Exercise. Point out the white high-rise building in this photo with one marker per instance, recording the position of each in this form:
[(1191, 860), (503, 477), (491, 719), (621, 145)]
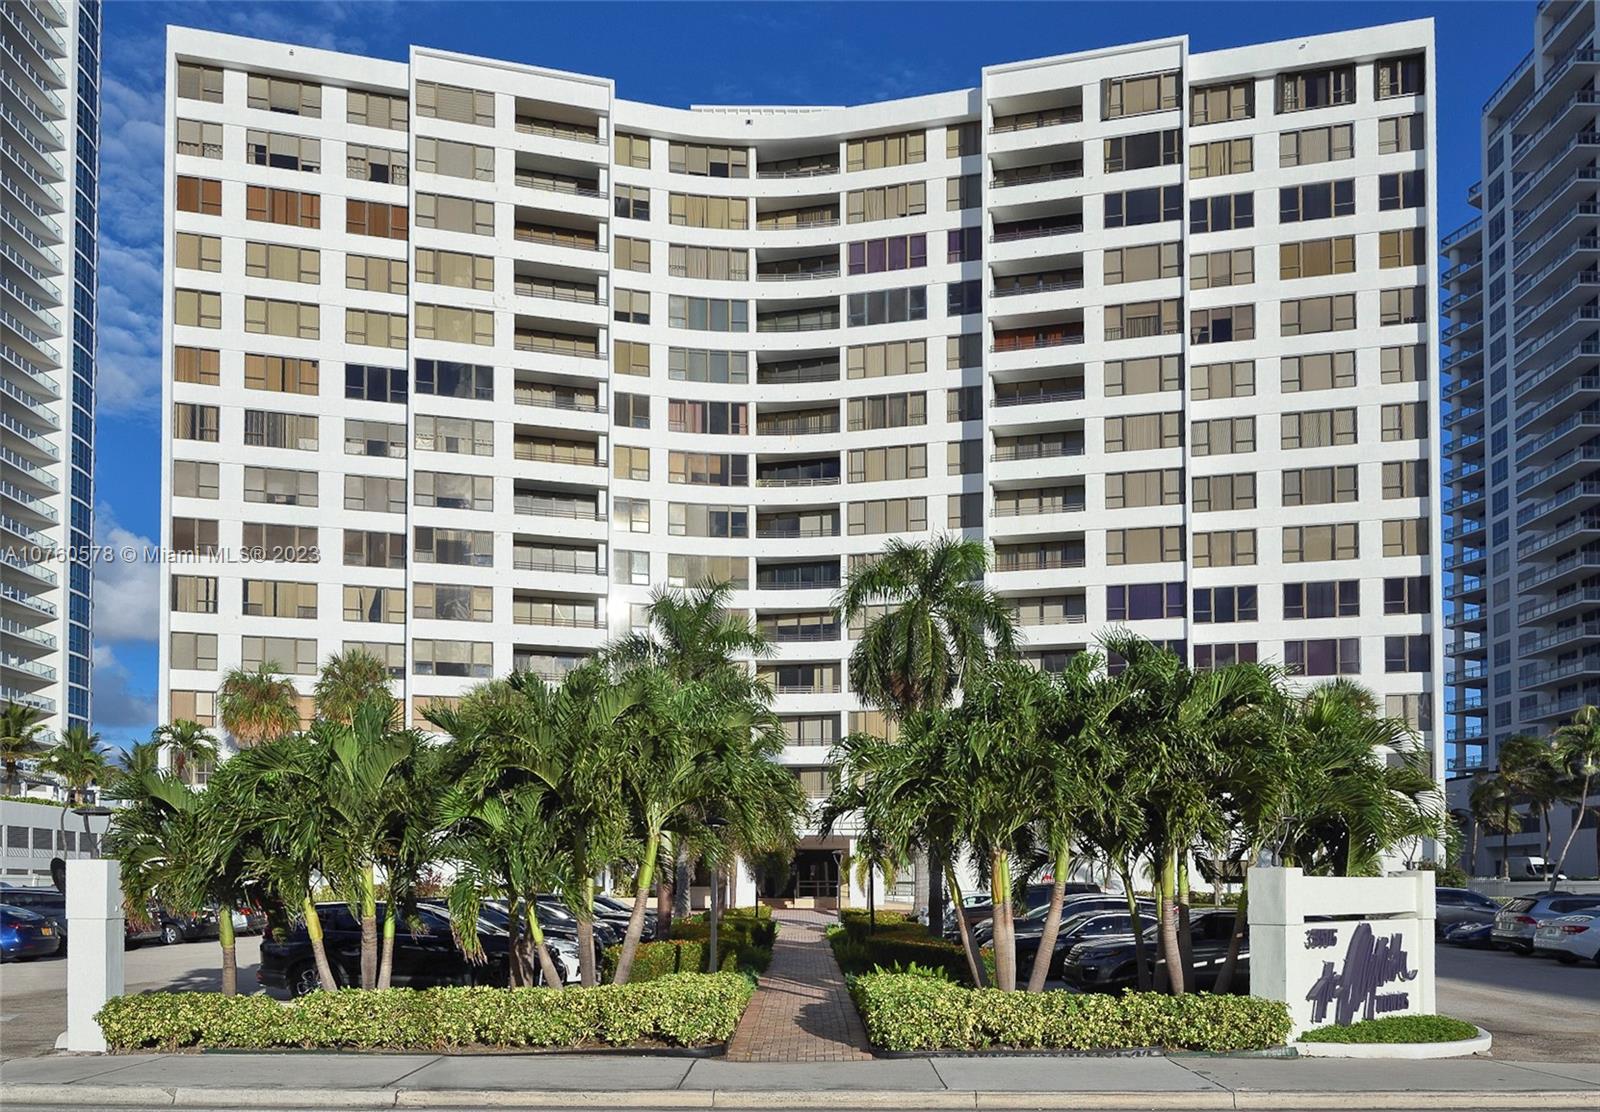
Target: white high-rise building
[(476, 354), (49, 174)]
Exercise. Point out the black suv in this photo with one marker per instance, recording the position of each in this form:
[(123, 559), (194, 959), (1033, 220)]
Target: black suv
[(422, 959), (1109, 965)]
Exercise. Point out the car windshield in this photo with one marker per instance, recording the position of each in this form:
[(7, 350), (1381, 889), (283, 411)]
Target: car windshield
[(13, 912)]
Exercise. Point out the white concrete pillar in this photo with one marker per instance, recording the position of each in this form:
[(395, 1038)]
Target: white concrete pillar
[(744, 884), (94, 958)]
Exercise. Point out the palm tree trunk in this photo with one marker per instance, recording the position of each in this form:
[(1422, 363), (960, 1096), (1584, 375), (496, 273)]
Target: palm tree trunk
[(386, 956), (1505, 842), (1544, 824), (664, 905), (1142, 967), (369, 929), (1171, 952), (1052, 921), (547, 964), (920, 864), (682, 879), (713, 919), (1577, 822), (963, 928), (1005, 949), (230, 958), (630, 941), (1185, 935), (319, 949), (936, 857), (1241, 921)]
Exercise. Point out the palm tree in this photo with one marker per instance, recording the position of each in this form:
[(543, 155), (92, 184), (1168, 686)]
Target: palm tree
[(22, 736), (928, 621), (258, 705), (1532, 762), (78, 759), (1494, 804), (348, 680), (190, 745), (140, 758), (1578, 753)]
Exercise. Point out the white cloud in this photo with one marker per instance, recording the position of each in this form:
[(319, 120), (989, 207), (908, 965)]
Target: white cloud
[(127, 592), (118, 709)]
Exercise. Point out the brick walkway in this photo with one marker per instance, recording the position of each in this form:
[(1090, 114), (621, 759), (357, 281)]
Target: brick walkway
[(800, 1011)]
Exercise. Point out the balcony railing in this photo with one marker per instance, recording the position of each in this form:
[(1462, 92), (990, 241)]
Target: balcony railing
[(1054, 286), (791, 376), (1044, 397), (1039, 563), (1023, 452), (1036, 175), (1037, 231), (798, 426), (544, 507), (1032, 121), (785, 481), (557, 129), (795, 532)]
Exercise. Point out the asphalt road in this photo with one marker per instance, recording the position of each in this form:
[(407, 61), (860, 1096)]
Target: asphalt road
[(1537, 1009)]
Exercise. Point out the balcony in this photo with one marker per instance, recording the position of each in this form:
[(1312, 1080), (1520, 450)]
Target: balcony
[(1581, 493), (808, 269), (816, 318), (1013, 231), (1567, 635), (1032, 339), (1011, 450), (565, 130), (1041, 558), (1037, 174), (804, 166), (551, 235), (1470, 228), (798, 424), (1042, 391), (571, 453), (551, 182), (570, 509), (1034, 120), (1019, 285), (785, 633), (557, 343), (797, 371), (1578, 598), (556, 289)]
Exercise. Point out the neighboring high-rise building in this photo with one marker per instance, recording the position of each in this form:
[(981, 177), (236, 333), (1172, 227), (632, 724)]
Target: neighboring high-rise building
[(50, 169), (1522, 387), (468, 356)]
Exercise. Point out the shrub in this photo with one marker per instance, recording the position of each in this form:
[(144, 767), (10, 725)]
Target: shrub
[(744, 943), (903, 1012), (1395, 1029), (680, 1010), (899, 941)]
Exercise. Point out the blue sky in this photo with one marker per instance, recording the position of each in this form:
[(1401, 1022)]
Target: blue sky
[(673, 54)]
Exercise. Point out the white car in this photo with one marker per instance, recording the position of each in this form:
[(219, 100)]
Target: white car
[(1569, 938)]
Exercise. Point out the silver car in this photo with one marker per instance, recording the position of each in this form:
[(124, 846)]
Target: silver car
[(1515, 925)]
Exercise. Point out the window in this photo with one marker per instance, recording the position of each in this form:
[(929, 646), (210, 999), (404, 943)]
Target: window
[(376, 110), (374, 218), (286, 264), (964, 403), (1312, 543), (1222, 325), (446, 322), (875, 256), (887, 411), (1136, 603), (280, 94), (1143, 151), (1328, 598), (1155, 545), (375, 274), (698, 520), (455, 160), (283, 206), (1143, 206), (194, 652), (1311, 315), (374, 438), (875, 152), (693, 571), (887, 202), (1144, 263), (1135, 96), (708, 161), (454, 491), (292, 544), (455, 268), (194, 479), (1416, 711), (1399, 77), (694, 211), (887, 306), (275, 598), (1208, 658), (961, 140), (374, 384), (1404, 364), (709, 418), (194, 594), (888, 515), (1320, 486), (375, 164), (708, 314), (1217, 493), (279, 151), (458, 435), (1397, 134), (375, 604), (1406, 537), (202, 195), (1402, 247), (1210, 381), (1143, 432), (1223, 156), (720, 264), (704, 365), (1216, 269), (1326, 371), (893, 464), (1219, 605), (1411, 653), (1403, 306), (450, 602), (1215, 104), (1319, 88), (374, 494), (1404, 190), (630, 306), (1405, 421), (630, 357), (473, 659), (1411, 594), (708, 469), (1318, 428), (198, 365), (631, 254), (965, 511), (1323, 657), (455, 214), (1141, 319), (197, 82), (964, 457), (1312, 145), (631, 411), (1142, 376), (964, 192), (454, 103), (366, 326), (1317, 258), (287, 376), (472, 547), (199, 139), (197, 252), (1222, 436), (964, 245), (631, 202), (1227, 548), (1316, 201), (374, 550), (266, 429), (1131, 489), (194, 422), (197, 308), (196, 535), (631, 150)]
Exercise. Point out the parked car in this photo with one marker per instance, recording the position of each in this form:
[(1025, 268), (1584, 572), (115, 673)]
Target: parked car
[(1084, 925), (1032, 921), (1461, 905), (422, 959), (1035, 895), (1470, 934), (1532, 868), (249, 920), (562, 944), (555, 912), (615, 911), (1110, 965), (1569, 938), (1515, 924), (43, 901), (27, 934)]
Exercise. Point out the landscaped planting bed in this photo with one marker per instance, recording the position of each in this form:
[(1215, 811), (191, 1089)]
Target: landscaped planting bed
[(898, 942), (912, 1013), (1396, 1029), (744, 944), (688, 1009)]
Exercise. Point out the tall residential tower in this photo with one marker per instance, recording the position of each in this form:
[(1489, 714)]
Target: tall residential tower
[(464, 357)]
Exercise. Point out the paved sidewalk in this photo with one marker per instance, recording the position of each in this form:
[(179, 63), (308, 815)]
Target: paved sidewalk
[(368, 1081), (800, 1011)]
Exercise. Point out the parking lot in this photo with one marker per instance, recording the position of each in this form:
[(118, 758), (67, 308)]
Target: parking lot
[(1537, 1009)]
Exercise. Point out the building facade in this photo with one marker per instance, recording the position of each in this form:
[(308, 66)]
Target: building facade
[(1522, 398), (466, 357), (49, 168)]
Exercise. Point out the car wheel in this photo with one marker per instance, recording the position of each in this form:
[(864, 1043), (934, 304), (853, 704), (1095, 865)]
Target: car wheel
[(1567, 959), (303, 979), (171, 935)]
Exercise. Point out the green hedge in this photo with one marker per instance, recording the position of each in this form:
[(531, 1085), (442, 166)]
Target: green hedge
[(744, 927), (899, 942), (662, 959), (1395, 1029), (685, 1010), (922, 1013)]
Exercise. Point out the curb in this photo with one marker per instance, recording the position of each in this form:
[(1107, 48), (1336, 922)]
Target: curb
[(1460, 1048), (899, 1100)]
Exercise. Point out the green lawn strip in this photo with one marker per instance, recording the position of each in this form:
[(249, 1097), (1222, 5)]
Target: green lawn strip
[(1396, 1029)]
